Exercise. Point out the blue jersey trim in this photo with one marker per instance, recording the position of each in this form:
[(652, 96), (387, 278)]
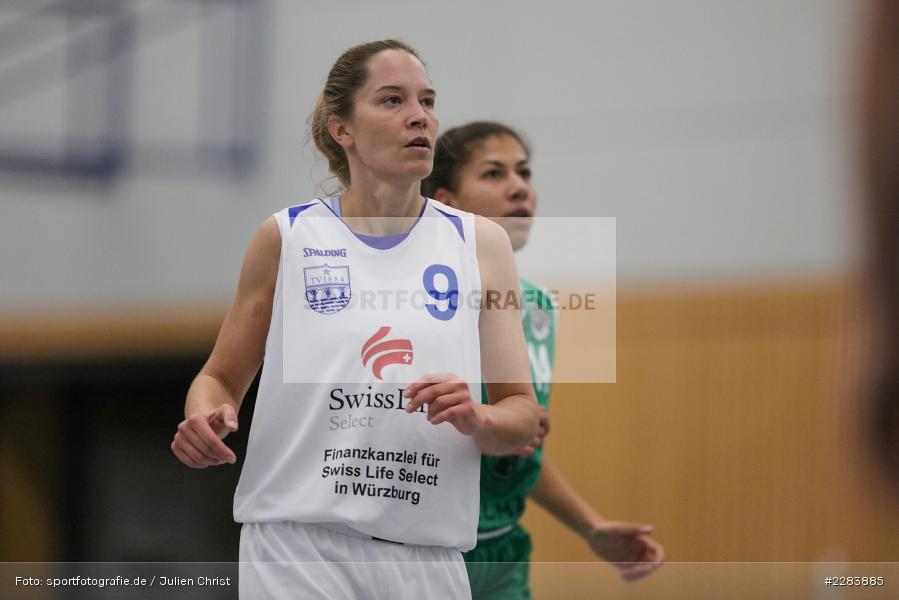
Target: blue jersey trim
[(293, 211), (455, 220), (378, 242), (381, 242)]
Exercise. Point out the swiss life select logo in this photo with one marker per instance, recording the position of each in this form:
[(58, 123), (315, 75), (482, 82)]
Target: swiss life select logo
[(383, 352)]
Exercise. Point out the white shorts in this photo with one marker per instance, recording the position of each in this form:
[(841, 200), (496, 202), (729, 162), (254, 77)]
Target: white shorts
[(331, 561)]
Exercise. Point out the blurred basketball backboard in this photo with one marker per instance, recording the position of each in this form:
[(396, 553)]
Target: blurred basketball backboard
[(92, 87)]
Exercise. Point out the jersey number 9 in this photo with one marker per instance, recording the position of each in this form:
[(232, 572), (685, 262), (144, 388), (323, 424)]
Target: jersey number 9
[(448, 297)]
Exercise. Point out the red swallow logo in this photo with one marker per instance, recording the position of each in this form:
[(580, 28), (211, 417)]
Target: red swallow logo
[(388, 352)]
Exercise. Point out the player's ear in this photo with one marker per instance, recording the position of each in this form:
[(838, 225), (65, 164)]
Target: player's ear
[(445, 196), (340, 131)]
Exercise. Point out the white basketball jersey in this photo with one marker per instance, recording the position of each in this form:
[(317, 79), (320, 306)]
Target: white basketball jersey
[(352, 326)]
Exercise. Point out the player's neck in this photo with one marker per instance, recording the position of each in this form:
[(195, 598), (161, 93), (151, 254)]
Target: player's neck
[(381, 209)]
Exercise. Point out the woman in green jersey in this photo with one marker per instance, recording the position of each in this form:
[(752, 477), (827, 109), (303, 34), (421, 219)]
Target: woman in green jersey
[(484, 168)]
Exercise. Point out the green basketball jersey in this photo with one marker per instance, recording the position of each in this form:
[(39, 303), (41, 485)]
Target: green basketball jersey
[(507, 480)]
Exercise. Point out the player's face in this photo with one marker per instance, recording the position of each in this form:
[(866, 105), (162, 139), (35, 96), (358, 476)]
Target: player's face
[(394, 124), (496, 183)]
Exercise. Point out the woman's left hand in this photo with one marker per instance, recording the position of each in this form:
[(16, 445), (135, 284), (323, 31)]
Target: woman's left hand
[(627, 546), (449, 399)]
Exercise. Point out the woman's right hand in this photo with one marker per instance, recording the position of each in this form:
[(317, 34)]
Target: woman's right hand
[(198, 441)]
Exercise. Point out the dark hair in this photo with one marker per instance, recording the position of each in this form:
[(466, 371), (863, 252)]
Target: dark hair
[(454, 148), (348, 74)]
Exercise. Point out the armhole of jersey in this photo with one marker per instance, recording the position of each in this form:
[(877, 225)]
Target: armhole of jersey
[(467, 220), (471, 244), (282, 219), (468, 225), (277, 319)]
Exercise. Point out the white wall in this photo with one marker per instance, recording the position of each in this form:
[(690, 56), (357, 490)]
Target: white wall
[(714, 130)]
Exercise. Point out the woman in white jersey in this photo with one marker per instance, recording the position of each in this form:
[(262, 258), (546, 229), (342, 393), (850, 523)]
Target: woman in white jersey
[(366, 439)]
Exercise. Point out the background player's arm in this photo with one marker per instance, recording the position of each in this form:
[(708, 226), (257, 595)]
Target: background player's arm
[(626, 545), (217, 392), (513, 413)]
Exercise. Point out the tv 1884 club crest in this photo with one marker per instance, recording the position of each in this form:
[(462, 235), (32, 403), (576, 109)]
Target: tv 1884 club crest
[(327, 288)]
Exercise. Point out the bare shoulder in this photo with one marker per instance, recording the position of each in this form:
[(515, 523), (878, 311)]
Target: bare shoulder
[(260, 268), (268, 236), (495, 257), (492, 239)]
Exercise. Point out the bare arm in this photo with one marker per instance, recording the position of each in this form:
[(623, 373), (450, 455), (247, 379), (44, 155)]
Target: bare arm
[(513, 413), (558, 497), (215, 396), (626, 545)]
